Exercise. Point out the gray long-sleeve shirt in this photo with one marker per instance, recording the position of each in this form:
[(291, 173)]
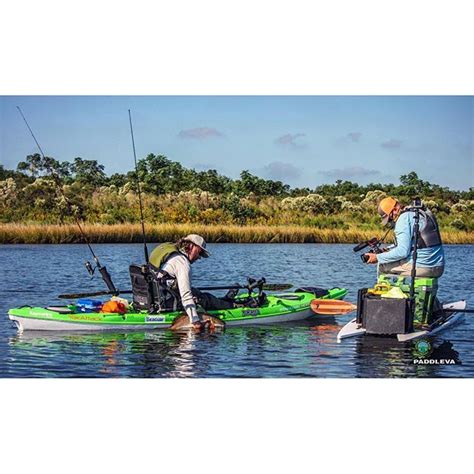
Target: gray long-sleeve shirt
[(179, 267)]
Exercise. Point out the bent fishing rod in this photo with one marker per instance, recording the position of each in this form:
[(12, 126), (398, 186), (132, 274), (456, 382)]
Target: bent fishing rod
[(102, 270)]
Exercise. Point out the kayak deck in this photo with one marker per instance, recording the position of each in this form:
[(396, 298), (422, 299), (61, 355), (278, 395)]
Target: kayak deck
[(284, 307)]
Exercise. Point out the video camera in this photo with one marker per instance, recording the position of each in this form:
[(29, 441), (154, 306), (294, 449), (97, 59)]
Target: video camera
[(374, 244)]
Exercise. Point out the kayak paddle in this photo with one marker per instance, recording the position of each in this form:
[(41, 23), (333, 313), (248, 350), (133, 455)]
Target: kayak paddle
[(73, 296), (332, 307), (344, 307), (266, 287)]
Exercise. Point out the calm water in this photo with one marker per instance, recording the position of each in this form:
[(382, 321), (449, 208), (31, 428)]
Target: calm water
[(35, 274)]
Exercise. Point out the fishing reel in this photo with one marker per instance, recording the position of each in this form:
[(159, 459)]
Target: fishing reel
[(374, 244), (90, 268), (103, 273)]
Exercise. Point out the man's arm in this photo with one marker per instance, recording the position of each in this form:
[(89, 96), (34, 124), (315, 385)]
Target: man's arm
[(403, 234), (182, 271)]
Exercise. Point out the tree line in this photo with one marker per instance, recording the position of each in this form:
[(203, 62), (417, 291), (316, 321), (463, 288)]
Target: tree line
[(174, 193)]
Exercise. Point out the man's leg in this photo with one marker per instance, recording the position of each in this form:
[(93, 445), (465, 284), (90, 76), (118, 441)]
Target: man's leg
[(210, 302), (392, 268), (422, 272)]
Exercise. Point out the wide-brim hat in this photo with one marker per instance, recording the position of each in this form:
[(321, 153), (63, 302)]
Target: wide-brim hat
[(200, 242)]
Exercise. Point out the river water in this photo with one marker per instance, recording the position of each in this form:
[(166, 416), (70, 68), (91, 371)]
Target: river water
[(36, 274)]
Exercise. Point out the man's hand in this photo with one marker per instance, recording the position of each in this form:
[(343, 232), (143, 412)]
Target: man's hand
[(198, 326), (371, 257)]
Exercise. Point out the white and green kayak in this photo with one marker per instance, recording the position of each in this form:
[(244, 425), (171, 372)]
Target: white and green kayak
[(278, 308), (453, 314)]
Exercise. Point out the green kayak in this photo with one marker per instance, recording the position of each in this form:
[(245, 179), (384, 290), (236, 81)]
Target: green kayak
[(282, 307)]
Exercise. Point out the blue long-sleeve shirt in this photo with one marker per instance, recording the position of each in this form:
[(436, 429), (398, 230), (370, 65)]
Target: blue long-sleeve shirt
[(428, 257)]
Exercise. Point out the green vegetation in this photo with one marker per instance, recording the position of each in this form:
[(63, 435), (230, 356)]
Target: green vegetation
[(175, 195)]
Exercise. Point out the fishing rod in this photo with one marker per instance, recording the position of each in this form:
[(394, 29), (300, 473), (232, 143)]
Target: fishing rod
[(145, 248), (90, 269)]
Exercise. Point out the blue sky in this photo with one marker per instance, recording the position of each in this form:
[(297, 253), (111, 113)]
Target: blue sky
[(301, 140)]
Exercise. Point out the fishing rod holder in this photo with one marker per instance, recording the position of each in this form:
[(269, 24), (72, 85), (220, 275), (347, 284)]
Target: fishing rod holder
[(255, 284)]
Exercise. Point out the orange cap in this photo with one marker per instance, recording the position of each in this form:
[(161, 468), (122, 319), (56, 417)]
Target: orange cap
[(386, 206)]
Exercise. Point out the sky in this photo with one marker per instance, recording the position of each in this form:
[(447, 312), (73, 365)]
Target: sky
[(304, 141)]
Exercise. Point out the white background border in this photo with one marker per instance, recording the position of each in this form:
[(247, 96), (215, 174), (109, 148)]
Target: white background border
[(218, 47)]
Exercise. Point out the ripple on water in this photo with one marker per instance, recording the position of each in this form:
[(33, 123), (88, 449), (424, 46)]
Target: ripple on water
[(307, 349)]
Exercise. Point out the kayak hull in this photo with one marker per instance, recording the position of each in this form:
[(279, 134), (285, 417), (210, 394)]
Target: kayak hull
[(34, 324), (282, 308)]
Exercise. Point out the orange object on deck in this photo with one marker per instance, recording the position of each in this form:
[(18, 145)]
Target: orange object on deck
[(113, 307)]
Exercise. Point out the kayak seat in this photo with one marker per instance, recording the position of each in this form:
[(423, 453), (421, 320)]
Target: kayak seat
[(317, 292)]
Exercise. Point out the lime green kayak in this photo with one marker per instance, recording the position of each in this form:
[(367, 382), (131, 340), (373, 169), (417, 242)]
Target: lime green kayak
[(282, 307)]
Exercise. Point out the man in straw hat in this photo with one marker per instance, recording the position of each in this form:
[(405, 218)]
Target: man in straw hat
[(174, 263), (398, 260)]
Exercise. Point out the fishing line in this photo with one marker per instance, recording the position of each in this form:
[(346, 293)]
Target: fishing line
[(139, 190), (102, 270)]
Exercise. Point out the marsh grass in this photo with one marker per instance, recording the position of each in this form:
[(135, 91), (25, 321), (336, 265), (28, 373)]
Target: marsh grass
[(128, 233)]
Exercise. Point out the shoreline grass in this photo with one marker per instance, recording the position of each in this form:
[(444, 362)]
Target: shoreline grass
[(131, 233)]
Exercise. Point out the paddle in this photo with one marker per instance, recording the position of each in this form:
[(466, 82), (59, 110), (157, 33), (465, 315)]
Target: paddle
[(332, 306), (344, 307), (266, 287)]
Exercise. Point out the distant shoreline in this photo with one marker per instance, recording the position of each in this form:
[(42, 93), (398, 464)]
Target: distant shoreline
[(131, 233)]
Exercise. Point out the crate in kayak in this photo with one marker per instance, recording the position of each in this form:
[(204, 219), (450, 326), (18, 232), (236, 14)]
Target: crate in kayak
[(283, 307)]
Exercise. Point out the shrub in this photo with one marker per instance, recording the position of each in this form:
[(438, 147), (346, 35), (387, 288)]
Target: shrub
[(459, 207), (458, 224), (372, 198)]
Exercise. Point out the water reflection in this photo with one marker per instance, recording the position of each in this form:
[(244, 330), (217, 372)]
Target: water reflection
[(390, 358), (306, 349)]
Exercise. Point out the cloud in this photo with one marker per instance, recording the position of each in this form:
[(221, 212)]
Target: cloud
[(277, 170), (348, 139), (200, 133), (354, 136), (391, 144), (290, 140), (350, 173)]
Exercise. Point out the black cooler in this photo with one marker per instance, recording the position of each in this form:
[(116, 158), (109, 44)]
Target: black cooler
[(383, 316)]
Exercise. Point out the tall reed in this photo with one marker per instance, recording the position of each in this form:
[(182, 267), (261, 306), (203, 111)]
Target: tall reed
[(125, 233)]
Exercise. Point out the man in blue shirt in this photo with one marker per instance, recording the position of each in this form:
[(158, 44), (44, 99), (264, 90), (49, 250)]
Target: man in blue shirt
[(398, 260)]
